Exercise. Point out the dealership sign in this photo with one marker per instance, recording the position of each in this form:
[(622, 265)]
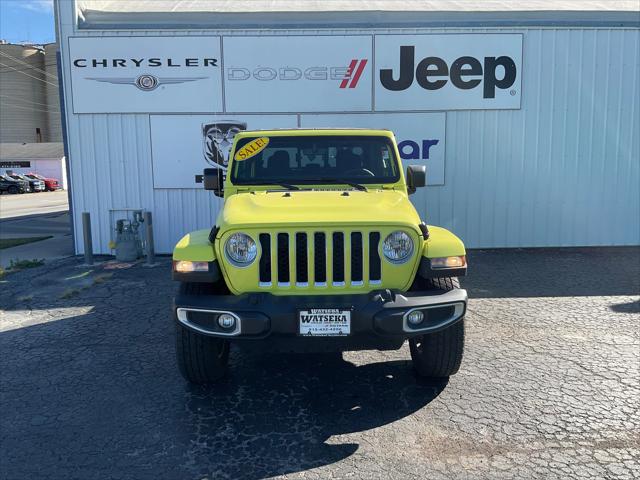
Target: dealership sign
[(448, 72), (145, 74), (297, 73), (222, 86)]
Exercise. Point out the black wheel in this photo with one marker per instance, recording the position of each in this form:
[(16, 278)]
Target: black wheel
[(201, 359), (12, 189), (439, 354)]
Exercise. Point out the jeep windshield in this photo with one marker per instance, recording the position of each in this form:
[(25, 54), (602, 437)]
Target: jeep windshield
[(316, 160)]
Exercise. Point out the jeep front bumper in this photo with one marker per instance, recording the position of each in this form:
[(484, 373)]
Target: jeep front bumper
[(377, 315)]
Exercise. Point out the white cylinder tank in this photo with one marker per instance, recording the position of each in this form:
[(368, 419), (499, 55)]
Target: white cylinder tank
[(23, 106)]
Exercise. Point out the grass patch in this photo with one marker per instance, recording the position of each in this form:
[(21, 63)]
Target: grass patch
[(14, 242), (22, 264)]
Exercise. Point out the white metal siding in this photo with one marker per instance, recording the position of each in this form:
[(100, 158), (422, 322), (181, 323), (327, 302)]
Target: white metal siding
[(562, 171)]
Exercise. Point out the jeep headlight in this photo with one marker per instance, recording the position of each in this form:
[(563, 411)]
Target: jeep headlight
[(241, 250), (397, 247)]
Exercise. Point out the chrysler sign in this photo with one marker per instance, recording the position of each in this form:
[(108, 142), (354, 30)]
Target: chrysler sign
[(145, 74)]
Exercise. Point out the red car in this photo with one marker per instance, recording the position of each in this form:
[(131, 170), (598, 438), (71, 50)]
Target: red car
[(50, 184)]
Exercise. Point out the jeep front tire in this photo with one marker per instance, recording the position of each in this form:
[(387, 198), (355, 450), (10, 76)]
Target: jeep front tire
[(438, 355), (201, 359)]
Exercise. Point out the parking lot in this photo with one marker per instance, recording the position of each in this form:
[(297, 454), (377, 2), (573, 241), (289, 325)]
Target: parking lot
[(549, 387), (35, 215), (12, 206)]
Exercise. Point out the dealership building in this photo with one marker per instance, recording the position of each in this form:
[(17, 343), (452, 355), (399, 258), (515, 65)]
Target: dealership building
[(526, 114)]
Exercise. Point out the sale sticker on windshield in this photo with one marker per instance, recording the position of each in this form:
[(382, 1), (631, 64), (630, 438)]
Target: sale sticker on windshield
[(252, 148)]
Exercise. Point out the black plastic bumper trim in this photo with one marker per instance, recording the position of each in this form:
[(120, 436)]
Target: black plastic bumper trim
[(378, 314)]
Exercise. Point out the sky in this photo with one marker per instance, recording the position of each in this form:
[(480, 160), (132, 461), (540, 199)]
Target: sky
[(29, 21)]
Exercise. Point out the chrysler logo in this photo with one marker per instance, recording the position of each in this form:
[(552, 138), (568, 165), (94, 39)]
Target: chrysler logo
[(145, 82)]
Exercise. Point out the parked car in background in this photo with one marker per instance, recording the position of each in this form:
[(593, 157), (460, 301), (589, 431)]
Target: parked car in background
[(37, 185), (11, 185), (50, 184)]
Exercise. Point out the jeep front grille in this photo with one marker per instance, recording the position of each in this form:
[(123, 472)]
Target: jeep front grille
[(301, 259)]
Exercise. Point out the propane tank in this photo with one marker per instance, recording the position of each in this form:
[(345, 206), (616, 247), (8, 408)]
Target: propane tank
[(127, 241)]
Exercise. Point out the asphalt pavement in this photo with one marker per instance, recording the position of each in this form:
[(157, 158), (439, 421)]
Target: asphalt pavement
[(36, 215), (549, 387)]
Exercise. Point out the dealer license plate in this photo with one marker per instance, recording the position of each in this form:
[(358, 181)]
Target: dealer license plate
[(325, 322)]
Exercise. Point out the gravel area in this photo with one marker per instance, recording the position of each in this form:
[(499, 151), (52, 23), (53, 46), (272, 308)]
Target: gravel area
[(549, 387)]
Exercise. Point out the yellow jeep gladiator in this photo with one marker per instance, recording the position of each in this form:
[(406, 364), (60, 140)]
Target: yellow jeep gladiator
[(317, 247)]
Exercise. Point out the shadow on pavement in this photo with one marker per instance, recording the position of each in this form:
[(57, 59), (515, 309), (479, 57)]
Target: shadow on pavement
[(98, 395), (52, 223), (287, 407), (629, 307)]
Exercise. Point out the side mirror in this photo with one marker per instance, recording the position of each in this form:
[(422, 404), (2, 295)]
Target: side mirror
[(416, 177), (213, 180)]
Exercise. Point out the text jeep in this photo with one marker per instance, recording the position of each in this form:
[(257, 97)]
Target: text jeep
[(317, 247)]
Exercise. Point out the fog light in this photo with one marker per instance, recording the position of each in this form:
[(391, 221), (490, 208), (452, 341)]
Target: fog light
[(226, 320), (415, 317)]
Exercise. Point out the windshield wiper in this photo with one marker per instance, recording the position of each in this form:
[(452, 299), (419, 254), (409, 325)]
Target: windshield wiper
[(355, 185), (288, 186)]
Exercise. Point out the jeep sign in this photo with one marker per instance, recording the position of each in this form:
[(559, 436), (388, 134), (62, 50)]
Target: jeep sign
[(448, 72)]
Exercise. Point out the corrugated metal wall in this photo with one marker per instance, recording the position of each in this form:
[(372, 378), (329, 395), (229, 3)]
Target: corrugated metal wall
[(563, 170)]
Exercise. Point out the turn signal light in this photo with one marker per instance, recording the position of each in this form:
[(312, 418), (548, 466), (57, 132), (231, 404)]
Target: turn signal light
[(185, 266), (448, 262)]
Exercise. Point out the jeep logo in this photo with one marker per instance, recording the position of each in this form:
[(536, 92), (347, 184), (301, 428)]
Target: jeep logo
[(433, 73)]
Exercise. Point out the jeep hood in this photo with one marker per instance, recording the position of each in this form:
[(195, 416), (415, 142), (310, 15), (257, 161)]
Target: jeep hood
[(309, 207)]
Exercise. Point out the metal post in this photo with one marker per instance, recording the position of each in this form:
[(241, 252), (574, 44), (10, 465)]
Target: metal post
[(148, 222), (88, 242)]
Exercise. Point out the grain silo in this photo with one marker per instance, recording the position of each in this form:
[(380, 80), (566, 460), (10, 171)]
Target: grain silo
[(54, 132), (23, 107)]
